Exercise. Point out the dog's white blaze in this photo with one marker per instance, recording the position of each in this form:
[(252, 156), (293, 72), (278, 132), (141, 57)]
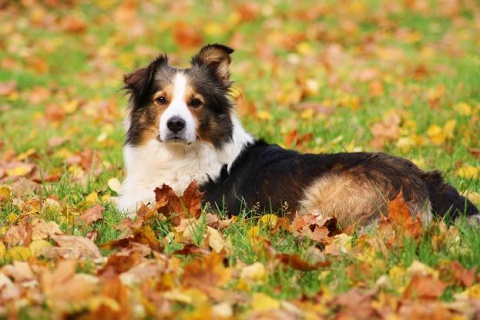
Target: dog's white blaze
[(178, 108)]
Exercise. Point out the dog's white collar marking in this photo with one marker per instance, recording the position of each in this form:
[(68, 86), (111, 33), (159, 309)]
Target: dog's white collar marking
[(153, 164)]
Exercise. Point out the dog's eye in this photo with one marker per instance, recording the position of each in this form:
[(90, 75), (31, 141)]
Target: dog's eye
[(161, 100), (195, 103)]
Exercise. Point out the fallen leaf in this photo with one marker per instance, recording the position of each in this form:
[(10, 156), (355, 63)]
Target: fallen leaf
[(263, 302), (115, 185), (424, 287), (298, 263), (216, 241), (43, 230), (93, 214), (74, 247)]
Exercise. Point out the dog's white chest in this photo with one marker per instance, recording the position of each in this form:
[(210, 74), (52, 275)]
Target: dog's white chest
[(152, 165)]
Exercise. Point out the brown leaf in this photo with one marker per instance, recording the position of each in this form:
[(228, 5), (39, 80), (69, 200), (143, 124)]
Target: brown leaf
[(93, 214), (119, 263), (424, 287), (457, 274), (355, 304), (143, 235), (74, 247), (192, 200), (298, 263), (191, 249), (18, 235), (189, 205), (42, 229)]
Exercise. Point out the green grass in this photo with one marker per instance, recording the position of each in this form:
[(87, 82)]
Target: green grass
[(278, 46)]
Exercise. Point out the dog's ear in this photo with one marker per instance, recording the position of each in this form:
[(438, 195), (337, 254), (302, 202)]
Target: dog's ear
[(139, 81), (216, 57)]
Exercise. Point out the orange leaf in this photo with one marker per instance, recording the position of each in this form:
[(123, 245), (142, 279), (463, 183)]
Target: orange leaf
[(399, 215), (208, 271), (192, 200), (424, 287)]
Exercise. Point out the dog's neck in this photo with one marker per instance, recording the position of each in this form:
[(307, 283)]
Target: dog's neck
[(177, 165)]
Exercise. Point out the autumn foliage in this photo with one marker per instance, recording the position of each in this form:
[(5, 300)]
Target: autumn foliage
[(398, 76)]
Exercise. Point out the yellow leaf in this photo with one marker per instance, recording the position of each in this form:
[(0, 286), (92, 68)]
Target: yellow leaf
[(268, 220), (2, 250), (213, 29), (463, 108), (307, 114), (449, 128), (304, 48), (398, 276), (18, 253), (92, 198), (25, 155), (37, 247), (11, 217), (215, 240), (468, 172), (264, 115), (436, 135), (5, 191), (254, 272), (470, 293), (19, 171), (253, 233), (71, 106), (63, 153), (262, 302)]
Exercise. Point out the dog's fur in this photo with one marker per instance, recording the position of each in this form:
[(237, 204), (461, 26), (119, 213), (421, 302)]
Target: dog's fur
[(181, 126)]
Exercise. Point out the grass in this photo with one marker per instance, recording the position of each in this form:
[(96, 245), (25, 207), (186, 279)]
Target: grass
[(364, 61)]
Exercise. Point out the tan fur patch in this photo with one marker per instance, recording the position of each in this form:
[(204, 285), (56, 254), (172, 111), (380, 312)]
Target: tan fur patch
[(352, 200)]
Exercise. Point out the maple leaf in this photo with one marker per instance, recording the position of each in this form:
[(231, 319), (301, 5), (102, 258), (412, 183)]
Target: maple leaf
[(399, 215), (189, 205), (93, 214), (424, 287)]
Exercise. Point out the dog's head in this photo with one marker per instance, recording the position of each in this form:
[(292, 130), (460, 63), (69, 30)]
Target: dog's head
[(181, 106)]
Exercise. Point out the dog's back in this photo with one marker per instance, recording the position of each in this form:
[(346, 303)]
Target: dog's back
[(354, 187)]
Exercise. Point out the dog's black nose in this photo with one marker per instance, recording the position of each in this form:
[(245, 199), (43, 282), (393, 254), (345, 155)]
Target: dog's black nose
[(175, 124)]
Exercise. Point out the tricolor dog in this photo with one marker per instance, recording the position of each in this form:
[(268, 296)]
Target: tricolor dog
[(181, 126)]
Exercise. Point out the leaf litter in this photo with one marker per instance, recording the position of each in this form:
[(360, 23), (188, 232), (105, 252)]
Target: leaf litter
[(64, 256)]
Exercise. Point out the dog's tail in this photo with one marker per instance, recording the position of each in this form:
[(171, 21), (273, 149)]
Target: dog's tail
[(447, 202)]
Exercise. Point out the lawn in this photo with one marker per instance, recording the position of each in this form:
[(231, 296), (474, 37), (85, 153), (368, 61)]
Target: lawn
[(357, 75)]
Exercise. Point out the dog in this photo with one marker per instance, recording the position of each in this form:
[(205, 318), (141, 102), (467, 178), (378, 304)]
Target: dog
[(181, 126)]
